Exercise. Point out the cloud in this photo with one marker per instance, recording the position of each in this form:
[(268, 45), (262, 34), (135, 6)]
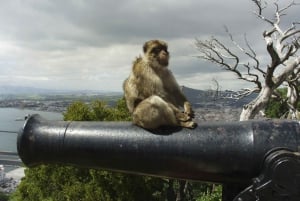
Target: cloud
[(79, 44)]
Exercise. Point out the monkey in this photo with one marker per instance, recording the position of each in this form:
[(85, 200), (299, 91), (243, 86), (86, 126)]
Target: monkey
[(152, 95)]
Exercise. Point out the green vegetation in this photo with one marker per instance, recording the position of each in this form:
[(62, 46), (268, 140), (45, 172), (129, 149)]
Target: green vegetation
[(66, 183), (277, 108), (214, 195), (3, 197), (97, 111)]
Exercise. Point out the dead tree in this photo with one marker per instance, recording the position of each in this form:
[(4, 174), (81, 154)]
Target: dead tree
[(293, 96), (282, 47)]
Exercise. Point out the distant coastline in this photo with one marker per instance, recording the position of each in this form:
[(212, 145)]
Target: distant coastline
[(37, 105), (209, 105), (52, 102)]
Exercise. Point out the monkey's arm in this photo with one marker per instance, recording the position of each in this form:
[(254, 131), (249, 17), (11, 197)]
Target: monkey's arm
[(188, 109), (175, 92), (131, 95), (132, 100), (182, 101)]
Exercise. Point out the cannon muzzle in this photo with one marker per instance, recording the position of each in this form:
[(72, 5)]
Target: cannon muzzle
[(216, 152)]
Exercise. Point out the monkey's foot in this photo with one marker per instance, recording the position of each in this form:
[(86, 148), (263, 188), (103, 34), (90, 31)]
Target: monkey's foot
[(183, 117), (188, 124), (191, 114)]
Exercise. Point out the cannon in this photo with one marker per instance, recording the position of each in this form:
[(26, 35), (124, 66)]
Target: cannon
[(254, 160)]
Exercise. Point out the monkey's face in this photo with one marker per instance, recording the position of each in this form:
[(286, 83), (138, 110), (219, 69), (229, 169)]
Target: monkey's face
[(157, 51)]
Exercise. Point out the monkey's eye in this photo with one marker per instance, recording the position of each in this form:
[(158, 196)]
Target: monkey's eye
[(157, 50)]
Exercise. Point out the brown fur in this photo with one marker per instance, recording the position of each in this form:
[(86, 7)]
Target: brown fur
[(152, 94)]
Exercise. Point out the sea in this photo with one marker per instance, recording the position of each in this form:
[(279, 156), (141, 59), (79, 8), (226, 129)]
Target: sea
[(12, 120)]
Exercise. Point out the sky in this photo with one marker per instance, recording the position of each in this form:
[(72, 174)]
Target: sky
[(91, 44)]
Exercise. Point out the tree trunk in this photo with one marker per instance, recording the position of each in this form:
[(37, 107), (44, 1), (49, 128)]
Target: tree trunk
[(293, 99), (252, 109)]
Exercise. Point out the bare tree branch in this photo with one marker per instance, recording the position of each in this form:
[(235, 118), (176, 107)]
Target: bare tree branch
[(270, 47), (236, 95), (283, 48), (288, 35), (278, 13), (254, 57), (256, 77), (292, 3), (260, 6), (293, 27), (260, 9), (216, 52)]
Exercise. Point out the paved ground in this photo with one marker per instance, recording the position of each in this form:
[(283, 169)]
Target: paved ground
[(11, 180), (16, 174)]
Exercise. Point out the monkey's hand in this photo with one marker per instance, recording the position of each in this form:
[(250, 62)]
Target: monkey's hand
[(188, 109)]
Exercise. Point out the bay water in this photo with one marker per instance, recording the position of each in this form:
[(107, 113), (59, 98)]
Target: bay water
[(13, 119)]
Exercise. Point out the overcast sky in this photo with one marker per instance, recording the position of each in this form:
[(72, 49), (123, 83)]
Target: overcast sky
[(90, 44)]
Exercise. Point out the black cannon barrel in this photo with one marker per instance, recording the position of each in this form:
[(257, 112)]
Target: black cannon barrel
[(217, 152)]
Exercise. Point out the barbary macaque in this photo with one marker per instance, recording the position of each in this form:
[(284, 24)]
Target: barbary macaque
[(152, 94)]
